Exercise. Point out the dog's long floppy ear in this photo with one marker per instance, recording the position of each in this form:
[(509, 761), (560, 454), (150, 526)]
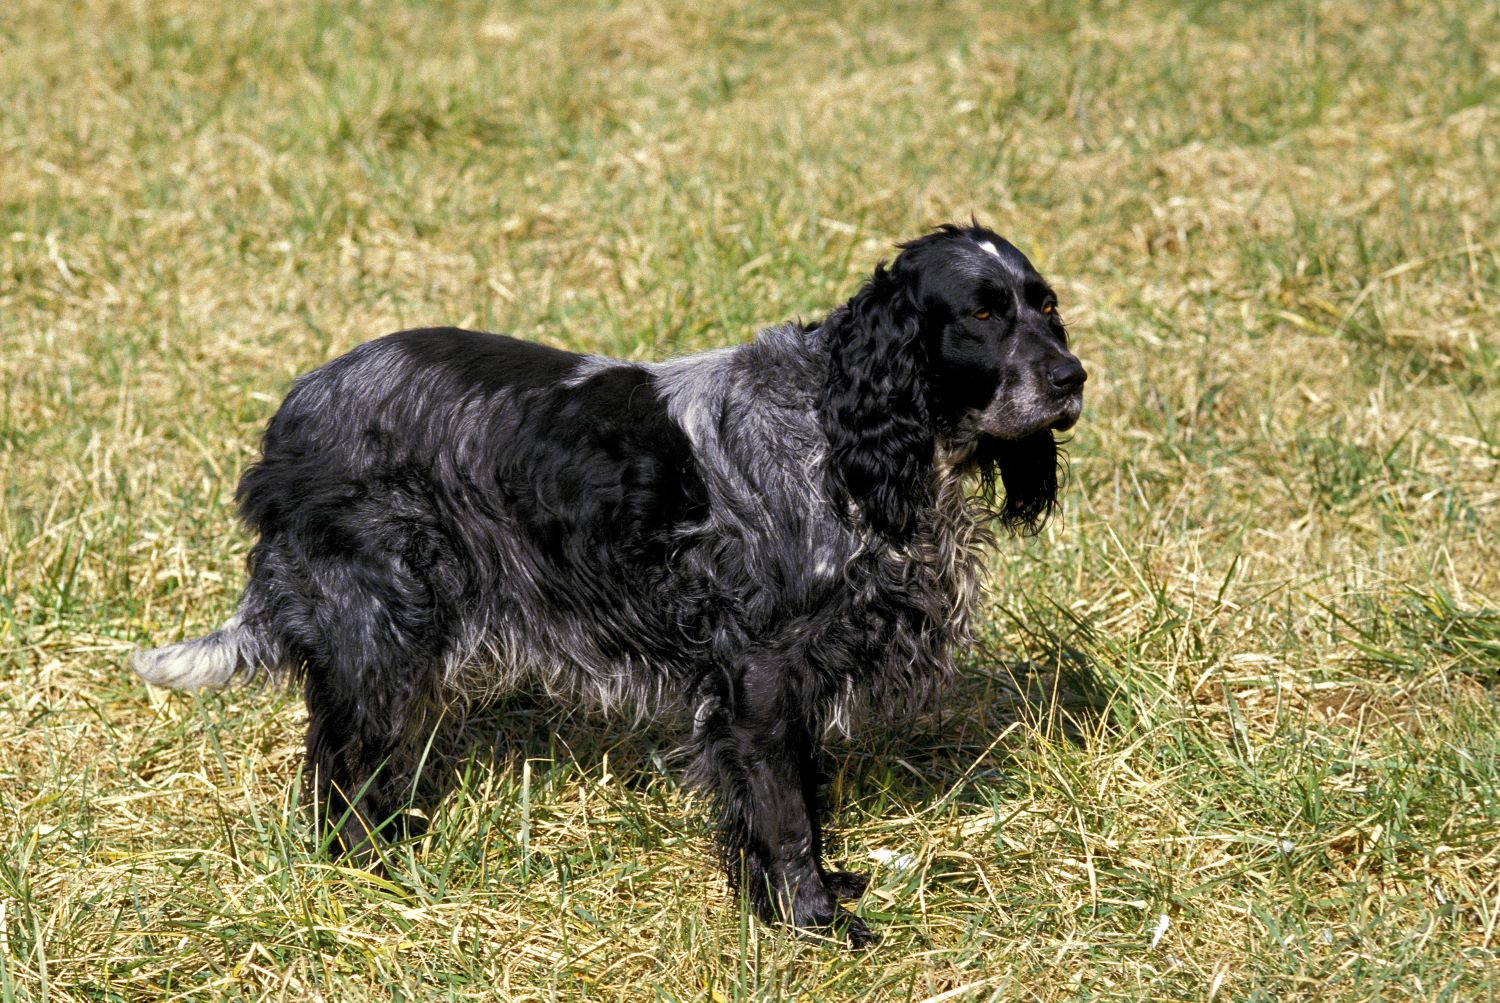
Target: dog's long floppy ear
[(1031, 471), (873, 407)]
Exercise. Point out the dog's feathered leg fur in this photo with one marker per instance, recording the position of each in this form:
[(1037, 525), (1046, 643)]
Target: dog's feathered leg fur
[(757, 752)]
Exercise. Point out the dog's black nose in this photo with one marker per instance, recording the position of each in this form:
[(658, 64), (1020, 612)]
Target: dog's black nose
[(1067, 375)]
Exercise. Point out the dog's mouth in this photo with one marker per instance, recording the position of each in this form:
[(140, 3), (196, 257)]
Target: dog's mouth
[(1006, 419), (1068, 416), (1068, 411)]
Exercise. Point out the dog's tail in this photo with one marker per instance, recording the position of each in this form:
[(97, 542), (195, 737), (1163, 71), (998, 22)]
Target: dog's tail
[(209, 662)]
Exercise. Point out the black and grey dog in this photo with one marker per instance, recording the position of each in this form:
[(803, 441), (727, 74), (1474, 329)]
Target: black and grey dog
[(763, 538)]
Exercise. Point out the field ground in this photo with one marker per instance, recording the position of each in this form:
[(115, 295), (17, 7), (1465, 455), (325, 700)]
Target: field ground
[(1232, 731)]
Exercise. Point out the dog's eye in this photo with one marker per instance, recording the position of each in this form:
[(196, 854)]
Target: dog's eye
[(1049, 308), (982, 315)]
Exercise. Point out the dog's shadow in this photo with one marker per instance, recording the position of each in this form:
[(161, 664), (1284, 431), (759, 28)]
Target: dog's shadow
[(911, 755), (972, 729)]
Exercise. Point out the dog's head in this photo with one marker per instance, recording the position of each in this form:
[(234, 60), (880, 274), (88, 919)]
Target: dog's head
[(956, 347)]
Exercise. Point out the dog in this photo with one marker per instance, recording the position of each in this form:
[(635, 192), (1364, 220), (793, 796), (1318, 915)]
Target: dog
[(763, 538)]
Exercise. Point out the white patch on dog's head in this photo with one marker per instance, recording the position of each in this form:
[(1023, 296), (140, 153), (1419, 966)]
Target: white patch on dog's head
[(1006, 262)]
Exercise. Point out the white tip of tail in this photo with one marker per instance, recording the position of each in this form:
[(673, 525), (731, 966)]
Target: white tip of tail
[(203, 663)]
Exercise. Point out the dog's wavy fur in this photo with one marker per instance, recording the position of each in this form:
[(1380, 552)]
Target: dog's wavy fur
[(761, 537)]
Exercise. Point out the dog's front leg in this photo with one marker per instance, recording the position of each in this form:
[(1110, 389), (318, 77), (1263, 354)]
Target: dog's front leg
[(759, 754)]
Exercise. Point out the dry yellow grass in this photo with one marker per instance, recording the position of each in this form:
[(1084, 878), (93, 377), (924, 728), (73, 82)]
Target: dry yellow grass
[(1232, 733)]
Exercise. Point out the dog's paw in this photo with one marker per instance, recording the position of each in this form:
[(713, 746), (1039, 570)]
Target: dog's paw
[(846, 884), (823, 918), (857, 934)]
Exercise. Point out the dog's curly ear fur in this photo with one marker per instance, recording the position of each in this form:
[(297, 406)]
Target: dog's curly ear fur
[(1031, 472), (873, 407)]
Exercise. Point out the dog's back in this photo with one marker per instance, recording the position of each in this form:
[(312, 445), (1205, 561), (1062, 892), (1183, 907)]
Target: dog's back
[(482, 506)]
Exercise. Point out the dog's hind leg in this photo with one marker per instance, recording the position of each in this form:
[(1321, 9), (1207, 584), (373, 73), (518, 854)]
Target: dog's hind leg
[(368, 723), (356, 760), (757, 752), (367, 639)]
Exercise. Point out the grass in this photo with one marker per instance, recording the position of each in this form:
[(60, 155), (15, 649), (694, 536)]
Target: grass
[(1232, 731)]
